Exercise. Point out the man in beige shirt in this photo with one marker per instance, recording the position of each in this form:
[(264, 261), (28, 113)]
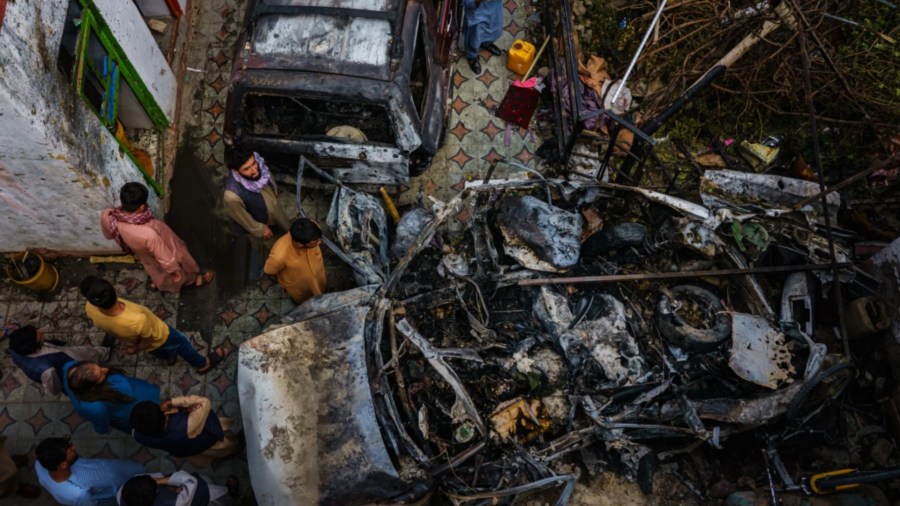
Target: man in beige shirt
[(251, 199), (296, 260)]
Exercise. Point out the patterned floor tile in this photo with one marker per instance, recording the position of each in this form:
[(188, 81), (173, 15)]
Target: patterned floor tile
[(132, 284), (514, 29), (6, 420), (157, 375), (263, 313), (64, 316), (23, 313), (185, 381), (221, 387), (227, 315), (75, 425), (72, 293), (487, 77), (35, 393), (12, 385), (461, 158), (4, 310), (166, 310), (47, 420), (6, 289)]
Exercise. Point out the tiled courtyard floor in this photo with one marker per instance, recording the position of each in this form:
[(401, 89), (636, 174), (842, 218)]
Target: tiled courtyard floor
[(474, 138), (28, 415)]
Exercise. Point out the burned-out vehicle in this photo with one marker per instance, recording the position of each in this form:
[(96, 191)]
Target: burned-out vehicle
[(536, 344), (359, 86)]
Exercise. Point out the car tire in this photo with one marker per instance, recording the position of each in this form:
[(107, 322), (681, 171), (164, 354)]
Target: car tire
[(679, 331)]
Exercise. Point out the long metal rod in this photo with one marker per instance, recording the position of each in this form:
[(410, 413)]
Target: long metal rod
[(850, 180), (679, 275), (817, 165), (640, 49)]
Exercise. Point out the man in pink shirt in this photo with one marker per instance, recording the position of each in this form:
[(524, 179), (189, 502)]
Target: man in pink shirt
[(163, 254)]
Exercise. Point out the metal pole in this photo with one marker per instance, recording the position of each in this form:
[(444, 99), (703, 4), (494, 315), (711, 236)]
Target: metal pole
[(640, 49), (678, 275), (850, 180)]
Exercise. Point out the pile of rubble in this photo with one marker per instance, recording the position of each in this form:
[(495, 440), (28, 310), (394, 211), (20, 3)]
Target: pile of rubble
[(570, 326)]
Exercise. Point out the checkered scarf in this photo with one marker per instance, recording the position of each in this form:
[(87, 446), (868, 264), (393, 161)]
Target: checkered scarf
[(136, 218)]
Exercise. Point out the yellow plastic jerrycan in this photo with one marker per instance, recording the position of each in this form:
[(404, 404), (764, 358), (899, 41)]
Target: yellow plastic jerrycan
[(520, 56)]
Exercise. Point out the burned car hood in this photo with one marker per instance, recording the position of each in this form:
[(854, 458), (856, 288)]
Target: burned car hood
[(312, 434), (347, 37), (331, 44)]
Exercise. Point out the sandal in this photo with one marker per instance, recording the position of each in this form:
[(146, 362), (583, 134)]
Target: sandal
[(204, 279), (215, 358), (234, 487)]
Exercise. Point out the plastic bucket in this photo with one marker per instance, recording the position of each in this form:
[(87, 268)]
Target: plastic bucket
[(45, 279)]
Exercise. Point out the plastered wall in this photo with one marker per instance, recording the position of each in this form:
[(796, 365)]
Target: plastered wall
[(59, 167)]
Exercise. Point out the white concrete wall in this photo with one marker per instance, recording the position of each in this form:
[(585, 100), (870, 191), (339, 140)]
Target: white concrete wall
[(59, 167), (131, 32)]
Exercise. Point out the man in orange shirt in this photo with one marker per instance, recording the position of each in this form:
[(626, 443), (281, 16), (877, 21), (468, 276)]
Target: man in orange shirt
[(296, 260)]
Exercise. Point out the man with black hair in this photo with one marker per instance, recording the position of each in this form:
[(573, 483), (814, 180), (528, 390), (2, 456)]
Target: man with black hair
[(139, 329), (181, 488), (185, 427), (42, 359), (76, 481), (105, 396), (163, 254), (251, 199), (296, 260)]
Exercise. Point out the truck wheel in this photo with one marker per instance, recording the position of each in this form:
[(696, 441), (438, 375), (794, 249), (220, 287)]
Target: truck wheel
[(695, 319)]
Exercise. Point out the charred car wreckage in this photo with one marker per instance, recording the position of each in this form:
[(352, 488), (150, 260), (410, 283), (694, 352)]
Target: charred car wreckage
[(537, 343), (360, 87), (569, 326)]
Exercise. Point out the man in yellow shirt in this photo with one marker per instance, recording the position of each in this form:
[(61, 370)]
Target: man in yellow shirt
[(138, 328), (296, 260)]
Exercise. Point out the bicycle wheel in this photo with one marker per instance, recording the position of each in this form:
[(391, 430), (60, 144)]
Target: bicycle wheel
[(826, 484), (825, 386)]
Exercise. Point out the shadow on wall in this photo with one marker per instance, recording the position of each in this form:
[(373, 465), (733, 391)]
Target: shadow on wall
[(197, 215)]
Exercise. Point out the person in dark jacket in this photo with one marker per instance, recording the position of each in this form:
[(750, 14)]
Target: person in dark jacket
[(105, 396), (185, 427), (251, 199), (42, 360)]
